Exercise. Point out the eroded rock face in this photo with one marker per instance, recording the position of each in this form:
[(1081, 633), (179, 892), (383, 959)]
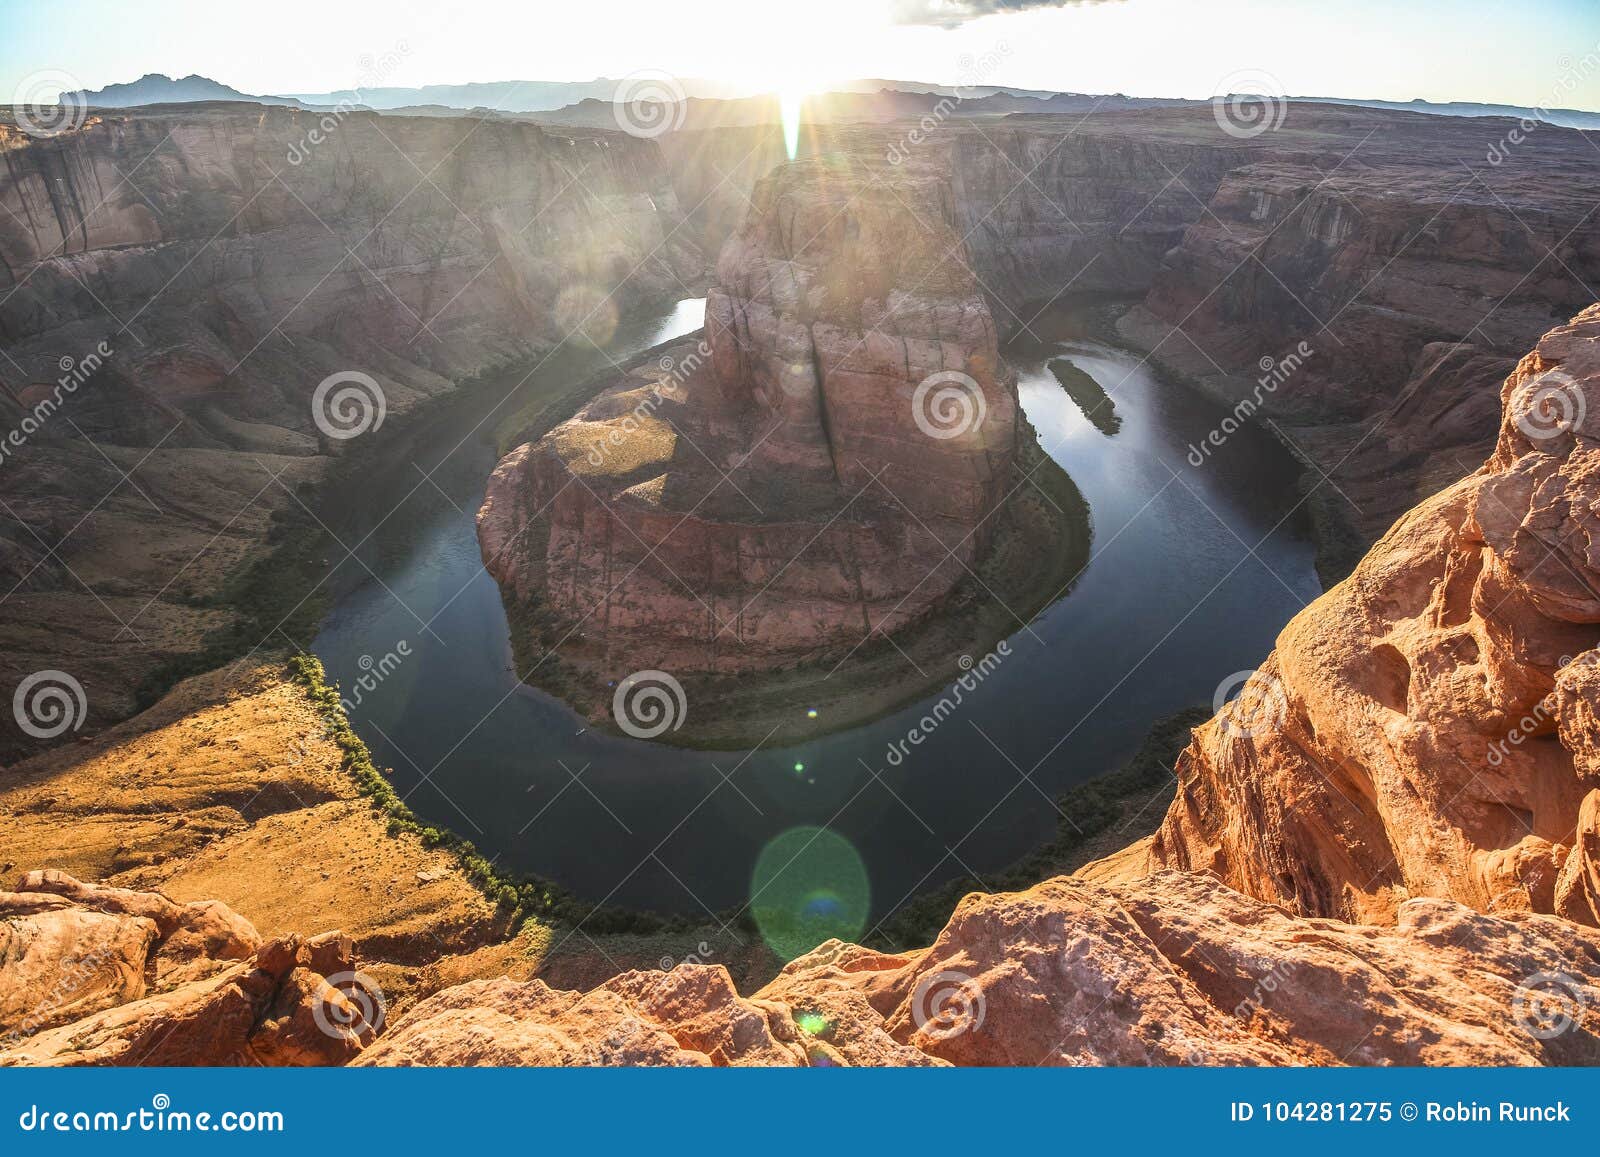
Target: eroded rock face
[(822, 467), (1427, 727), (691, 1016), (95, 975), (1174, 969)]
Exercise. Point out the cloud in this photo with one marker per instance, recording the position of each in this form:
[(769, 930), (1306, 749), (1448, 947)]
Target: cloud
[(954, 13)]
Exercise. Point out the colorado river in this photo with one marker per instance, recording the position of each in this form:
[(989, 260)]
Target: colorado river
[(1194, 571)]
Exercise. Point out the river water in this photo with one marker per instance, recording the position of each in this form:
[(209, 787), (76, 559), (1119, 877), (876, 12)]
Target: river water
[(1194, 571)]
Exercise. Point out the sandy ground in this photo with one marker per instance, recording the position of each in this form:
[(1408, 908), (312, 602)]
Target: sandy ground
[(227, 789)]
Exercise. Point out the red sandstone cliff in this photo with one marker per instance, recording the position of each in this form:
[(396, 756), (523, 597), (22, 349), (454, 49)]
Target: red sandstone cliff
[(1427, 727)]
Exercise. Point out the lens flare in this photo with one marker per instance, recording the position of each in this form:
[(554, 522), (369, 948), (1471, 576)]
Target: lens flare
[(809, 885), (789, 104)]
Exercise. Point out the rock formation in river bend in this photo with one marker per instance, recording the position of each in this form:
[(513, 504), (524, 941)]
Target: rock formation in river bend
[(1429, 726), (823, 467)]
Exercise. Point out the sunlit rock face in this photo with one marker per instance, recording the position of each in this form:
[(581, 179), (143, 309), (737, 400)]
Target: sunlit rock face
[(1428, 727), (821, 467)]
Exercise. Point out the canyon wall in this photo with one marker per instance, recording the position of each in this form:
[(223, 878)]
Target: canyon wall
[(1427, 727), (175, 284), (822, 468)]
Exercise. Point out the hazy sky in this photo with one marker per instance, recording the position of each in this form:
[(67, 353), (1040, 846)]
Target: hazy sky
[(1528, 52)]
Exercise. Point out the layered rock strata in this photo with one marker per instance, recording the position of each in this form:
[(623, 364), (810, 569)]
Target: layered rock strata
[(822, 467)]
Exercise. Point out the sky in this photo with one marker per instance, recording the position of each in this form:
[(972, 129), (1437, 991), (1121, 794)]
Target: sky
[(1529, 52)]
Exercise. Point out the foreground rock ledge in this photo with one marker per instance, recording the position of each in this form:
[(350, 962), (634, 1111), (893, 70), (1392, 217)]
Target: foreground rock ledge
[(1174, 970)]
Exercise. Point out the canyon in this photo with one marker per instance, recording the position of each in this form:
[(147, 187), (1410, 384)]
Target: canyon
[(1384, 852), (228, 282), (1427, 727), (1476, 948)]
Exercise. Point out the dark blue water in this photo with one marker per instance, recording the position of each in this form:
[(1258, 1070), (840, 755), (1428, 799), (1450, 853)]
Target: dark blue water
[(1172, 602)]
